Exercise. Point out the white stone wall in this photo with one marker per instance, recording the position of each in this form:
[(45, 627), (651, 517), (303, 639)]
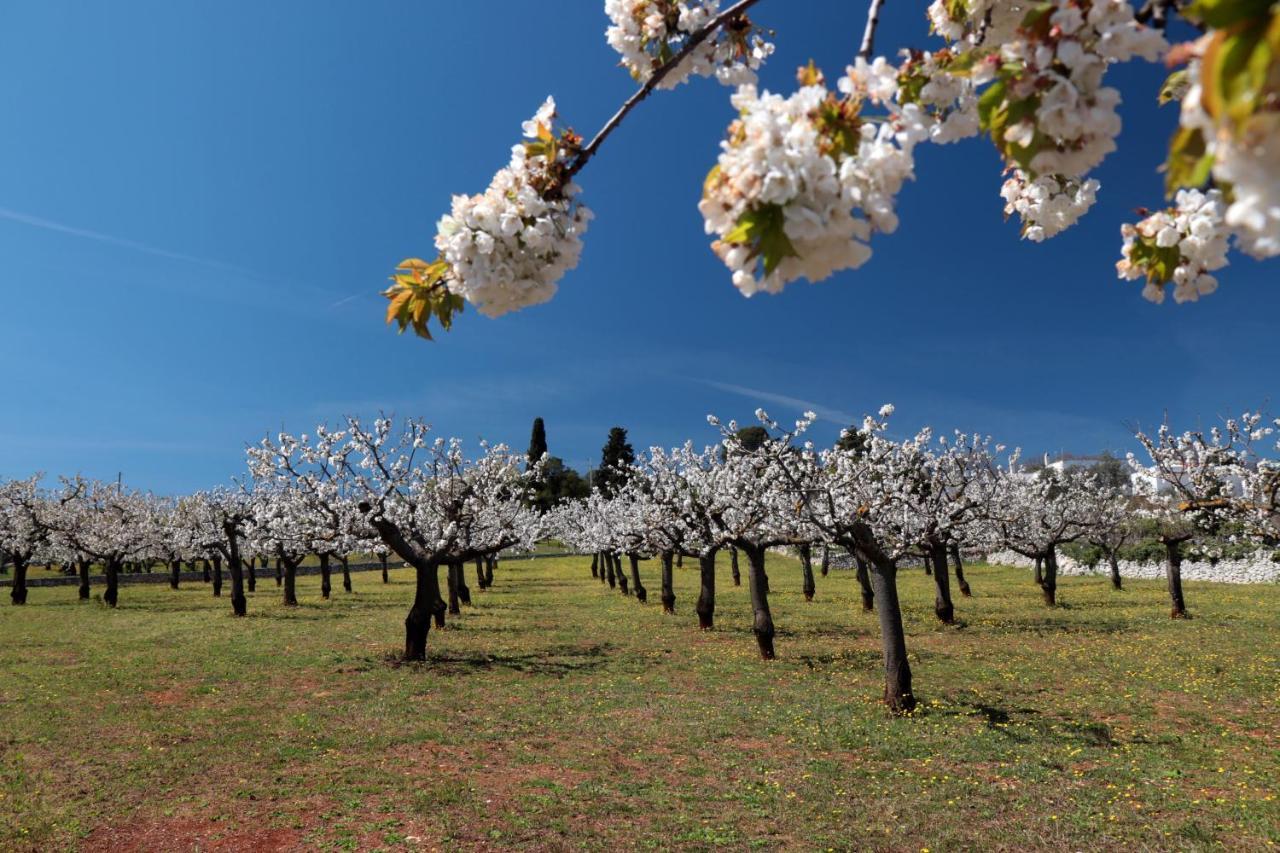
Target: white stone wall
[(1258, 569)]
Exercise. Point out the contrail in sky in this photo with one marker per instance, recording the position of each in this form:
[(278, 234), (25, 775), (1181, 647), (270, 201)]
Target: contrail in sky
[(98, 236), (827, 414)]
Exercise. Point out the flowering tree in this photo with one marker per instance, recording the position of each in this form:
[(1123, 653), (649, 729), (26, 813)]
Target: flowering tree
[(1197, 489), (428, 502), (105, 522), (805, 180), (24, 529), (1036, 514)]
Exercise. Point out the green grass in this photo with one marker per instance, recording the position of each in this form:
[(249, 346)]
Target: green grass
[(556, 715)]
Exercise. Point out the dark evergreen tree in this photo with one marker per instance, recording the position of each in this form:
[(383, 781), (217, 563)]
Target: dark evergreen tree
[(616, 459), (537, 441)]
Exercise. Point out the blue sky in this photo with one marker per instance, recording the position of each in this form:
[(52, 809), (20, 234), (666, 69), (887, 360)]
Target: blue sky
[(199, 203)]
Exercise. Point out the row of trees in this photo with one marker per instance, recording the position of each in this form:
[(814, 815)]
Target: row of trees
[(928, 497), (389, 489)]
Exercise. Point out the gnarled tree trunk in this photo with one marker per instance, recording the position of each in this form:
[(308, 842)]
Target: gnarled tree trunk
[(1049, 577), (668, 584), (642, 594), (111, 595), (758, 584), (595, 565), (706, 606), (864, 583), (897, 671), (1113, 561), (490, 564), (290, 580), (954, 550), (452, 571), (175, 573), (733, 566), (464, 591), (825, 565), (1173, 572), (480, 581), (82, 566), (208, 578), (346, 572), (217, 576), (608, 568), (417, 624), (251, 573), (383, 560), (18, 594), (942, 606), (623, 584), (279, 573), (326, 586), (806, 571)]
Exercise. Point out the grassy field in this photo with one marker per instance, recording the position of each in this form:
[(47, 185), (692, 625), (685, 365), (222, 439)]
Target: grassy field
[(558, 715)]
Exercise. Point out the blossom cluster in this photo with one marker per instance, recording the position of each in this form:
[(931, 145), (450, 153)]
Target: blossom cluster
[(649, 33), (1181, 245), (507, 247), (1248, 162), (1049, 204), (803, 181)]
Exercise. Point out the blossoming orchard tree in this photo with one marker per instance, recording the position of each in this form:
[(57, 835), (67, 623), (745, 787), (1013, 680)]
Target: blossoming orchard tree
[(1205, 480), (1036, 515), (24, 529), (805, 180), (426, 501), (106, 523)]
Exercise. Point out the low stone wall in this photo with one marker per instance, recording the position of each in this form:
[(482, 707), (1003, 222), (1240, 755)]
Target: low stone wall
[(1258, 569)]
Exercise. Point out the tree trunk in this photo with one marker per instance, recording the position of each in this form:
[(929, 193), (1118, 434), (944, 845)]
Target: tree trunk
[(217, 576), (608, 568), (451, 578), (825, 565), (1039, 570), (706, 606), (623, 584), (490, 564), (175, 572), (111, 595), (279, 573), (290, 580), (679, 561), (239, 604), (1049, 578), (385, 579), (19, 591), (668, 585), (595, 565), (897, 671), (758, 584), (464, 591), (251, 575), (1114, 562), (82, 566), (959, 565), (206, 578), (642, 594), (928, 565), (346, 572), (418, 623), (480, 581), (325, 586), (864, 584), (806, 571), (942, 606), (733, 566), (1173, 569)]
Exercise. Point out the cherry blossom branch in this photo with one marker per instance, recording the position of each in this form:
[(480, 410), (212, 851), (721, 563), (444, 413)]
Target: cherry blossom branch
[(869, 34), (657, 77)]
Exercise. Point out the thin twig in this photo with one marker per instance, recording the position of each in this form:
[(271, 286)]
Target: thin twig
[(869, 34), (657, 77)]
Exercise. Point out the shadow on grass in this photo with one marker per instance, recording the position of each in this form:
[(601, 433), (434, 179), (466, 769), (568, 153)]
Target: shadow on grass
[(557, 661)]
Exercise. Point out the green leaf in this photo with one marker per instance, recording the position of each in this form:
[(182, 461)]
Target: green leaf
[(1189, 164), (762, 229), (1174, 87)]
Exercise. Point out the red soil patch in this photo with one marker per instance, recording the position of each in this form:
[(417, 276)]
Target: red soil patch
[(174, 834)]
